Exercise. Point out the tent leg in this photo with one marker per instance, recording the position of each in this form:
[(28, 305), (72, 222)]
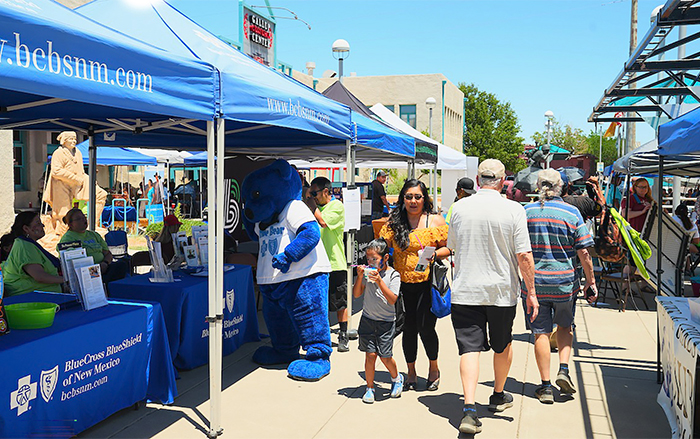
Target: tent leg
[(215, 316), (659, 270), (350, 248), (92, 171), (435, 188)]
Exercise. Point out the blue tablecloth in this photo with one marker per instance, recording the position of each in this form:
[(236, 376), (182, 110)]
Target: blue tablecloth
[(118, 215), (63, 379), (185, 305)]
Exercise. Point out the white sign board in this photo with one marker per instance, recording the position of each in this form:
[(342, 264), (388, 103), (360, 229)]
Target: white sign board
[(600, 168), (353, 209)]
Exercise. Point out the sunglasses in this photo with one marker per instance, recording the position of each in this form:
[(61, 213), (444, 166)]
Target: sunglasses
[(416, 197), (314, 193)]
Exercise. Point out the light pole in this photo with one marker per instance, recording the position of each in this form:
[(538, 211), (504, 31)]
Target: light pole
[(548, 124), (430, 103), (341, 51)]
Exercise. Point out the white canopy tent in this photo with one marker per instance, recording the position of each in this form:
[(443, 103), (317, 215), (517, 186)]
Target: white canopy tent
[(453, 164), (166, 156)]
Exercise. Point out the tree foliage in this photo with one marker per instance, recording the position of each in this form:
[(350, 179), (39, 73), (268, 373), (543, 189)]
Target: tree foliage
[(609, 147), (574, 140), (567, 137), (492, 128)]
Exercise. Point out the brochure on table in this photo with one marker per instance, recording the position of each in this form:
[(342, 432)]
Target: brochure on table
[(91, 286), (160, 272), (84, 278)]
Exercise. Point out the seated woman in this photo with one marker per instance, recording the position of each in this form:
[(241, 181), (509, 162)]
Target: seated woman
[(29, 267), (682, 218), (94, 246), (171, 225)]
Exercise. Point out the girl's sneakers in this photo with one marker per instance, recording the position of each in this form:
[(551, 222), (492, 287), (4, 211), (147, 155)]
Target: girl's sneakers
[(368, 398)]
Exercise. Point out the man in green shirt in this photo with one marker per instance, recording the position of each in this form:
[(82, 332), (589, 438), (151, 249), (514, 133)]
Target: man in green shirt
[(330, 214)]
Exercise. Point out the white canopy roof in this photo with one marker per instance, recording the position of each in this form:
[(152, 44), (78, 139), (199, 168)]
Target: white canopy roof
[(448, 158), (166, 156)]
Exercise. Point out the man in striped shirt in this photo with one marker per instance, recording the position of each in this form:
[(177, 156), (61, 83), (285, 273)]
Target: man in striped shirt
[(557, 235)]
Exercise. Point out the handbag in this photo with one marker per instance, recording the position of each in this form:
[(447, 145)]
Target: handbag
[(440, 292)]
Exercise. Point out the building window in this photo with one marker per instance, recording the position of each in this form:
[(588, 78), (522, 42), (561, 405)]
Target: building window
[(390, 108), (408, 114), (19, 147)]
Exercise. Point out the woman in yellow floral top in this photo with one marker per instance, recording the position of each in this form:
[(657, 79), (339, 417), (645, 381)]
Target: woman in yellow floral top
[(410, 228)]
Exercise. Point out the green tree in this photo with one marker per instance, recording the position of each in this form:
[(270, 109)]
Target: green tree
[(609, 147), (492, 128), (573, 139), (567, 137)]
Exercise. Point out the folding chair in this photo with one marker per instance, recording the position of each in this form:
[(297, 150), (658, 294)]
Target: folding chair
[(118, 243), (618, 282)]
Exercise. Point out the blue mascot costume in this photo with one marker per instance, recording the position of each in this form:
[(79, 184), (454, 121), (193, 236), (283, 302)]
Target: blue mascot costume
[(292, 271)]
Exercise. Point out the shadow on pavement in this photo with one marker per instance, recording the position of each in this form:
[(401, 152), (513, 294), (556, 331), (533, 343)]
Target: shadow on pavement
[(628, 399)]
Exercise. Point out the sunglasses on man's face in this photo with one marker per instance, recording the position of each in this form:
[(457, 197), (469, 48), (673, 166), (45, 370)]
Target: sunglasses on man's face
[(417, 197), (314, 193)]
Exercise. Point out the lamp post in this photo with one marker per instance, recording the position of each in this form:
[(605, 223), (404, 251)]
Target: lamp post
[(430, 103), (341, 51), (548, 124)]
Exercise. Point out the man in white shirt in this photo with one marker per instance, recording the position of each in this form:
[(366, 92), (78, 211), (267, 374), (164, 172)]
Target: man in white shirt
[(490, 240)]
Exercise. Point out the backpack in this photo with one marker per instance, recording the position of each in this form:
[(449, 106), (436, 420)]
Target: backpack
[(608, 240), (400, 315)]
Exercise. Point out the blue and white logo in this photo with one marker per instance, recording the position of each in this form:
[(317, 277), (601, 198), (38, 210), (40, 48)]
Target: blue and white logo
[(230, 297), (26, 392), (48, 381)]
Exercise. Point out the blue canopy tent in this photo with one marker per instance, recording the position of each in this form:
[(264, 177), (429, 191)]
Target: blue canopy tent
[(268, 113), (60, 70), (116, 156)]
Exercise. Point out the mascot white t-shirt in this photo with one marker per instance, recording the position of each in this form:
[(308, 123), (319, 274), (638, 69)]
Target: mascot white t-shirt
[(277, 237)]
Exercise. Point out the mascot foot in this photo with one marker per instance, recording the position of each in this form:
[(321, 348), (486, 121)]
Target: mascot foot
[(305, 370), (267, 356)]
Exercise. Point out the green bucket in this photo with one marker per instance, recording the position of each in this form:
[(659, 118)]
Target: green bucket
[(31, 315)]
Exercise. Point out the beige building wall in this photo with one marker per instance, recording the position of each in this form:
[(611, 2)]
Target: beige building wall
[(7, 198), (400, 90)]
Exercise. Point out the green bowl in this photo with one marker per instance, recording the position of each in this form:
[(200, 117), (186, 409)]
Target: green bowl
[(31, 315)]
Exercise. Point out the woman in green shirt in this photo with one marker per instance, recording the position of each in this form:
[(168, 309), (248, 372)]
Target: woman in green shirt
[(94, 246), (29, 267)]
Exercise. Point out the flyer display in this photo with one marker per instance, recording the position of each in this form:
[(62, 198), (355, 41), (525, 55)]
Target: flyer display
[(679, 341)]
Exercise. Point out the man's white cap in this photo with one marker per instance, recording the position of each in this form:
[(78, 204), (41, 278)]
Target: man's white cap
[(492, 168)]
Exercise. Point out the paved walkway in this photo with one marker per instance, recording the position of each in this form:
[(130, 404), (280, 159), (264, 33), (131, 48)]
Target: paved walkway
[(614, 368)]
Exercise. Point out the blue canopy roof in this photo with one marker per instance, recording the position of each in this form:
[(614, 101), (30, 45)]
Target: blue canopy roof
[(250, 91), (89, 71), (373, 134), (116, 156), (681, 135)]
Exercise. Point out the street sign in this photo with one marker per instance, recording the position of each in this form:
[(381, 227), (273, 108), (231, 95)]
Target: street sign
[(600, 168)]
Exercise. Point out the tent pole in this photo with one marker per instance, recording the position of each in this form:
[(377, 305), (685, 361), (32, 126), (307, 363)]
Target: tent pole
[(43, 206), (214, 371), (435, 188), (220, 136), (92, 171), (659, 270), (350, 247)]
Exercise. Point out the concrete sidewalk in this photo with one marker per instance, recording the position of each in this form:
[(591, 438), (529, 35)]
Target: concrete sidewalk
[(614, 368)]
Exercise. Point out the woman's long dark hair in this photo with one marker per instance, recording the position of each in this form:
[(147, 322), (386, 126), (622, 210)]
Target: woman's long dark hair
[(682, 213), (23, 219), (398, 220)]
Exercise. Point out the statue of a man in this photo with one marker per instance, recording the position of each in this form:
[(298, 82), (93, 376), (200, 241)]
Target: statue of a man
[(68, 181)]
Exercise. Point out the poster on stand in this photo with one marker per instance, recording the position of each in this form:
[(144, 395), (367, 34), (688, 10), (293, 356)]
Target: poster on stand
[(679, 340)]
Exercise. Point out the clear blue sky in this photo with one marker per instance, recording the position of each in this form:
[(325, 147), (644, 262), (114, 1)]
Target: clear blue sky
[(541, 55)]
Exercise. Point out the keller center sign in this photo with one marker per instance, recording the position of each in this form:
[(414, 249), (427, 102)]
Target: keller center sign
[(258, 37)]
